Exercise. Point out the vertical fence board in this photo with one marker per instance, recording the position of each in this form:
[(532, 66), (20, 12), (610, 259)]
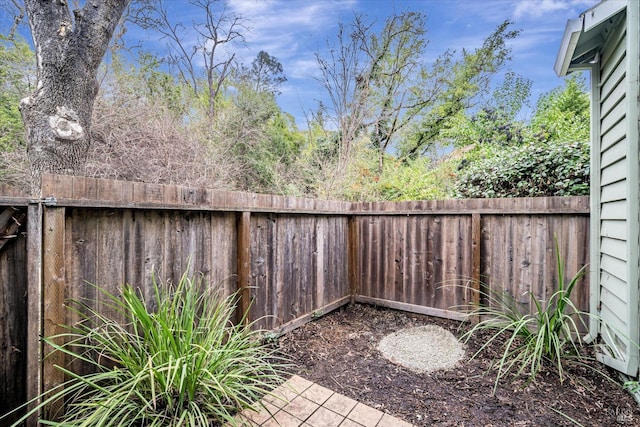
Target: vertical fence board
[(321, 230), (13, 323), (476, 251), (244, 263), (223, 243), (262, 262), (54, 285), (259, 266), (133, 251), (34, 308), (109, 260)]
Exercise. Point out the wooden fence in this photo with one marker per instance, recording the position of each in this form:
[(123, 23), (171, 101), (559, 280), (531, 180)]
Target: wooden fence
[(289, 258), (432, 256)]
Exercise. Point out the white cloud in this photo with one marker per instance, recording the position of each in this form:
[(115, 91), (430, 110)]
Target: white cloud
[(540, 8), (291, 31), (303, 68), (283, 27)]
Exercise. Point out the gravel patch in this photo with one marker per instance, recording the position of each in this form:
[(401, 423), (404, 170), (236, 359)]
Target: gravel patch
[(422, 349)]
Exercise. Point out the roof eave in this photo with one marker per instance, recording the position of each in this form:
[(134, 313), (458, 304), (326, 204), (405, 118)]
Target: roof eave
[(602, 11), (575, 28), (568, 46)]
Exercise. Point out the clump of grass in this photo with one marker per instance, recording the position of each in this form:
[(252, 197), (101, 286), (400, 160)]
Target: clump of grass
[(183, 364), (550, 335)]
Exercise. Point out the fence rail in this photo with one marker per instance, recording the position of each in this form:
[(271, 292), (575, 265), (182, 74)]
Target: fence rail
[(289, 258)]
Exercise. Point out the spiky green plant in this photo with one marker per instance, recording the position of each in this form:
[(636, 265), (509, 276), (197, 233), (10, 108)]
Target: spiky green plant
[(183, 364), (549, 335)]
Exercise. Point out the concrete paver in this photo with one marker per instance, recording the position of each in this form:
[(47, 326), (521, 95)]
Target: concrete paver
[(390, 421), (282, 419), (301, 403), (301, 408), (258, 417), (316, 393), (365, 415), (324, 417), (340, 404)]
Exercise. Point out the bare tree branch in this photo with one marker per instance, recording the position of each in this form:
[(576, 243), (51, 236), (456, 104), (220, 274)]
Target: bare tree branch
[(198, 52)]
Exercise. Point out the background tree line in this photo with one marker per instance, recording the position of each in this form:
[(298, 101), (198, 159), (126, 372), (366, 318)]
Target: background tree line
[(394, 127)]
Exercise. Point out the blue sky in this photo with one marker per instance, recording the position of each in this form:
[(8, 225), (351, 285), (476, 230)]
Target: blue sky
[(292, 30)]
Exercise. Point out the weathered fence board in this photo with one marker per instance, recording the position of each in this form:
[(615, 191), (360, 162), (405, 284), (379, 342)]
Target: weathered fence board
[(299, 265), (417, 260), (110, 247), (13, 322), (13, 297), (519, 254)]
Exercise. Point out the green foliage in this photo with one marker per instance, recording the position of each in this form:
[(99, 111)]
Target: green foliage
[(415, 180), (393, 76), (548, 157), (487, 126), (145, 79), (458, 83), (495, 122), (263, 140), (183, 364), (412, 179), (549, 335), (17, 71), (266, 73), (511, 95), (530, 170), (563, 113)]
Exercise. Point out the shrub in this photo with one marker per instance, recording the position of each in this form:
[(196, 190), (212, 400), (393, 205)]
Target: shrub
[(183, 364), (531, 170), (549, 335)]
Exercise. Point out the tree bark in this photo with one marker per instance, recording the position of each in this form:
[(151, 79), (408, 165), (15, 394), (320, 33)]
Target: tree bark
[(69, 50)]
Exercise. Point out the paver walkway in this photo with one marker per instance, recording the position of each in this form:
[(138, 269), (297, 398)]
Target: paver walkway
[(301, 403)]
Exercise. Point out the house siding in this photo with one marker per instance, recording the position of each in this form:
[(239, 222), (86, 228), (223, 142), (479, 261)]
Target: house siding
[(617, 198)]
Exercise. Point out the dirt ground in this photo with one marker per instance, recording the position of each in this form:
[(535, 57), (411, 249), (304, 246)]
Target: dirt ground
[(338, 351)]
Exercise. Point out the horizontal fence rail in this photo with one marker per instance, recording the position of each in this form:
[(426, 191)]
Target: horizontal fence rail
[(290, 259)]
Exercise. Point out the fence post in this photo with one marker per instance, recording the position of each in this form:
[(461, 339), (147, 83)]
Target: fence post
[(34, 307), (244, 264), (476, 245), (352, 255), (54, 283)]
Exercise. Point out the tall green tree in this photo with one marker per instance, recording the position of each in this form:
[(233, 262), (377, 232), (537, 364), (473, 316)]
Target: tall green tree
[(455, 86), (265, 74), (496, 120), (392, 76), (563, 114)]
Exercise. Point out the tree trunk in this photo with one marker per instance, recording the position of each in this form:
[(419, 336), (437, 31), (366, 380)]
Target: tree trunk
[(69, 50)]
